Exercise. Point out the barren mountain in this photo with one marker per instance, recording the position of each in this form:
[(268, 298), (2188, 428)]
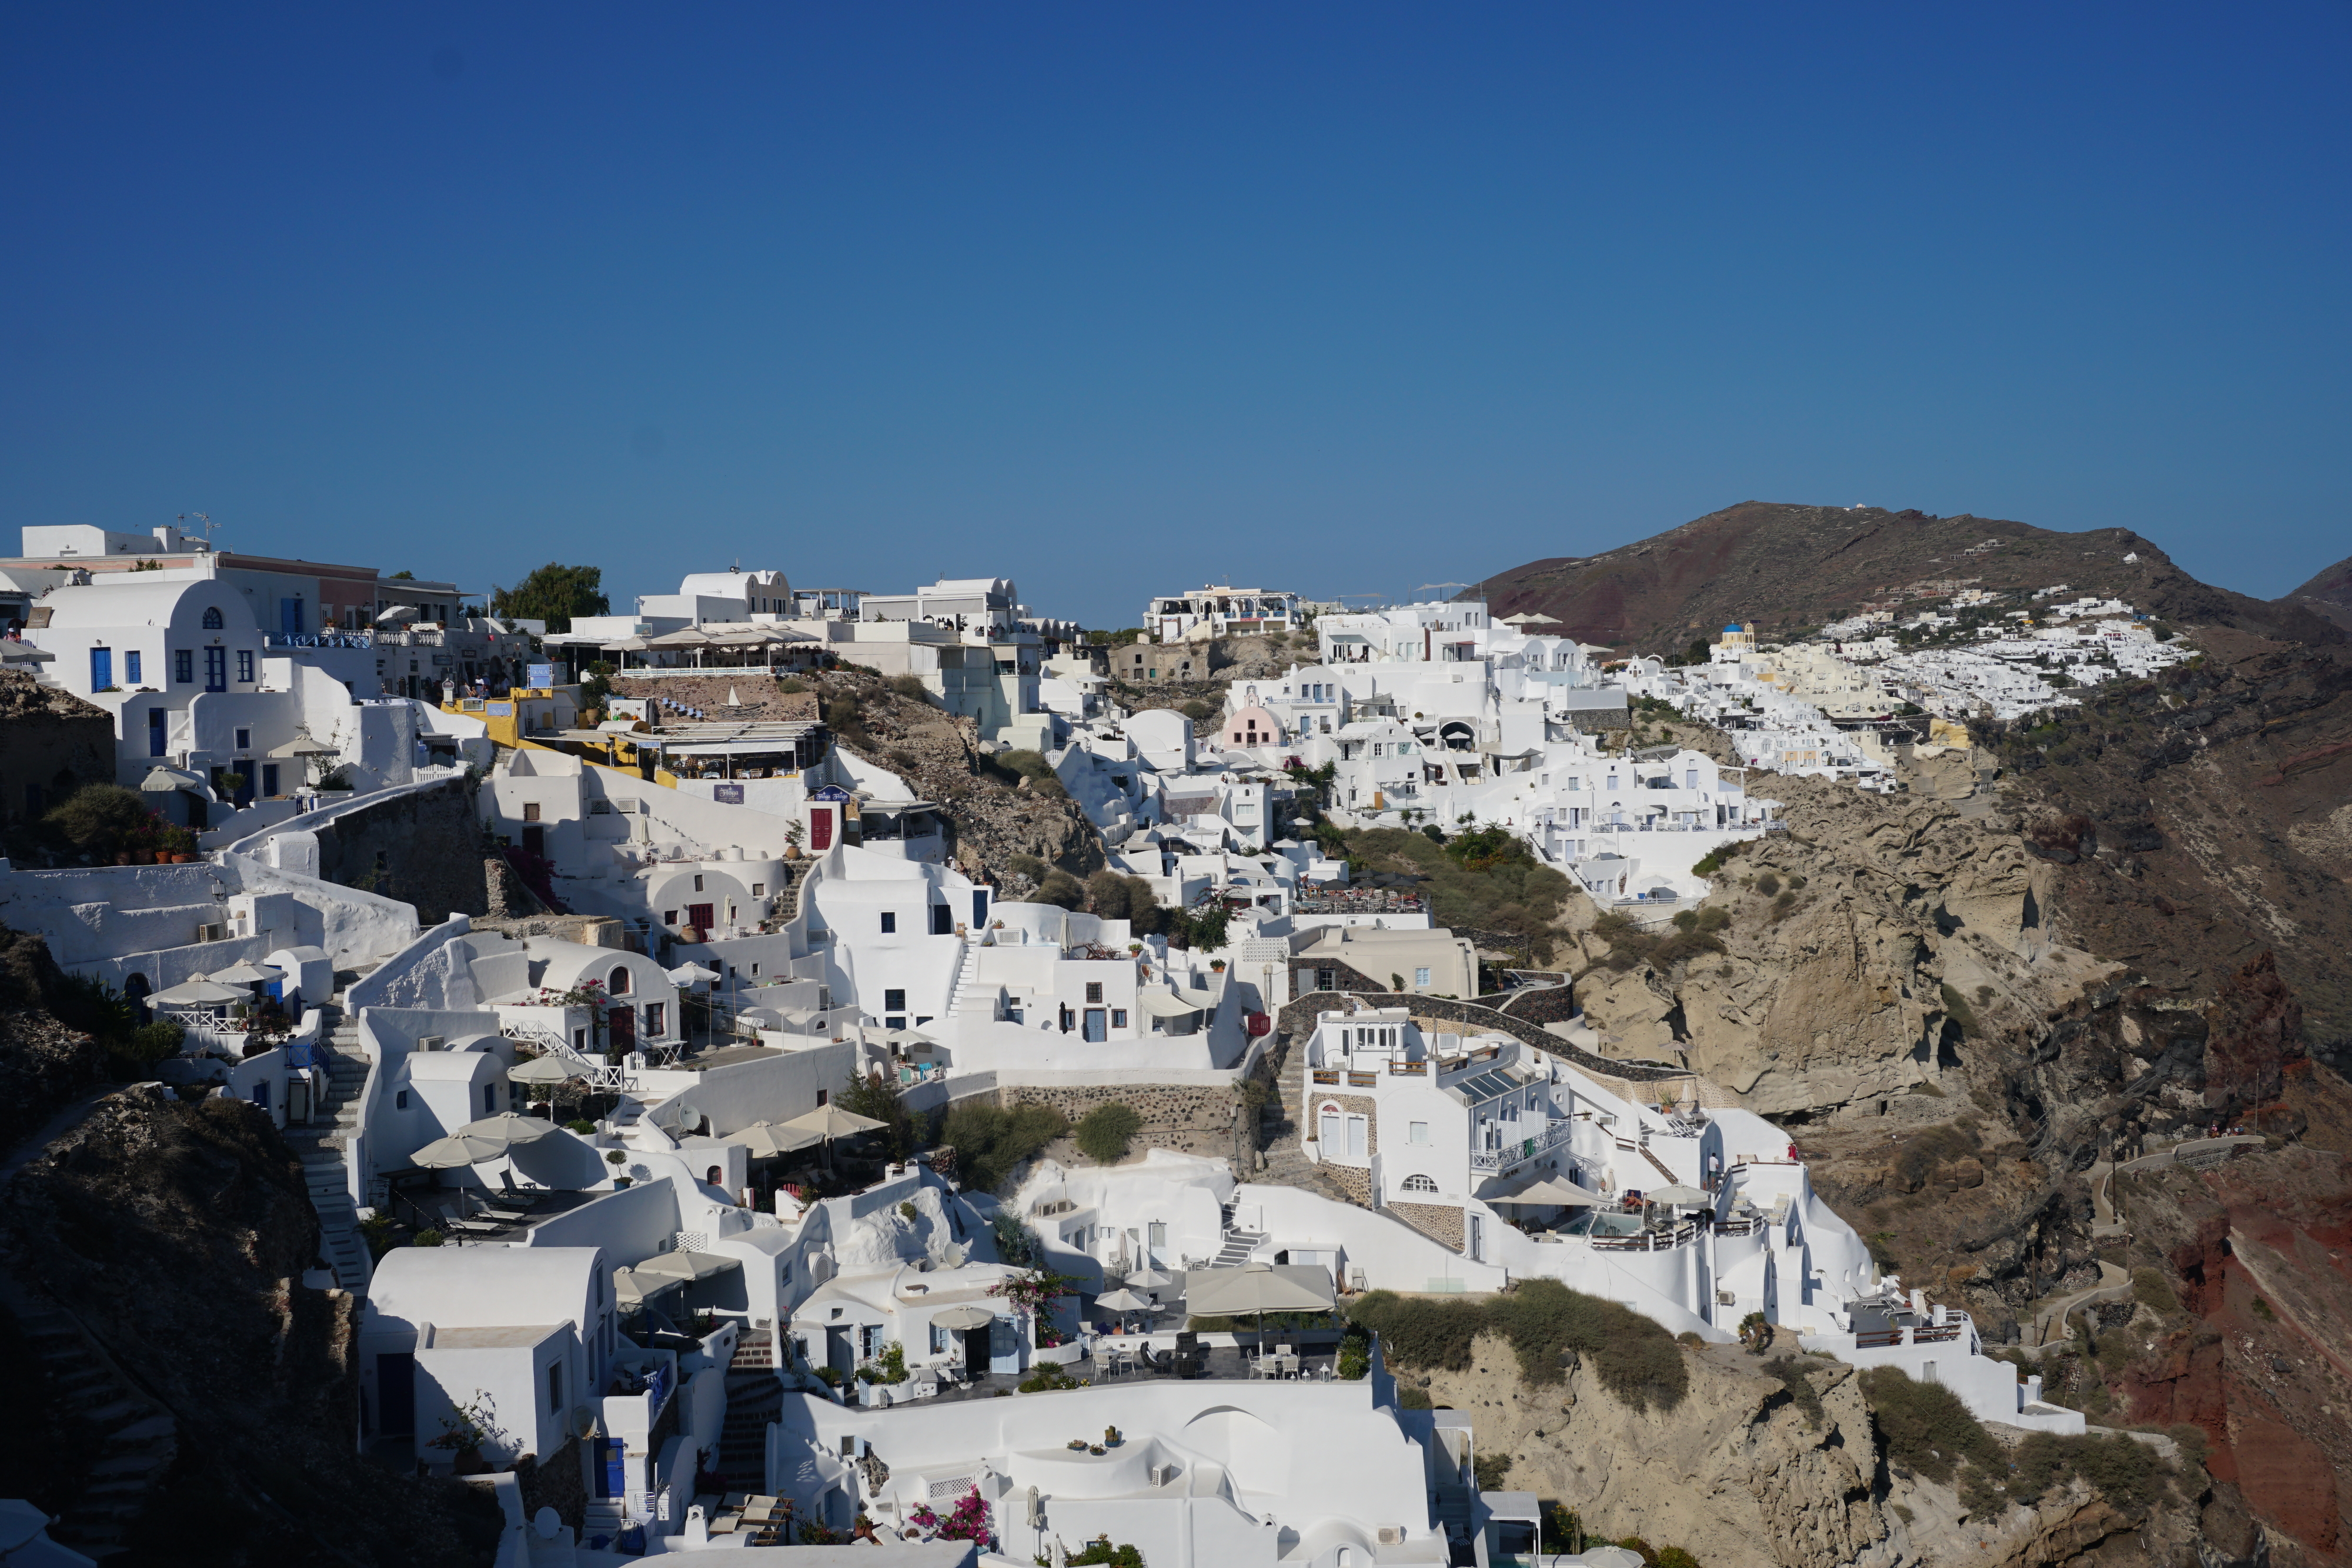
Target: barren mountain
[(1783, 567), (2329, 593)]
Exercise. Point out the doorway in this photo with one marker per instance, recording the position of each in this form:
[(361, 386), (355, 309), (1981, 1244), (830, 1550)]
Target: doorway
[(534, 840), (622, 1020), (396, 1394)]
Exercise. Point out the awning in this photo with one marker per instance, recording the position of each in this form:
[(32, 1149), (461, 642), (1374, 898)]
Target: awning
[(1164, 1004)]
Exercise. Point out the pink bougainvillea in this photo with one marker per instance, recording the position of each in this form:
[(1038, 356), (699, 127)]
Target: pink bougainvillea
[(967, 1522)]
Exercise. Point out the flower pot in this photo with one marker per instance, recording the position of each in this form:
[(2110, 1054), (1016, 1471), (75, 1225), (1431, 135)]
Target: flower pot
[(469, 1462)]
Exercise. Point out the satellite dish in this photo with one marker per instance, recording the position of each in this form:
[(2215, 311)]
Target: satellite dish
[(546, 1522)]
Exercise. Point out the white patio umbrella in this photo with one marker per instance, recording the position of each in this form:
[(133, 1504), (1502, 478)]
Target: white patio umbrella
[(1257, 1289), (693, 974), (903, 1038), (690, 1267), (507, 1128), (1122, 1302), (1148, 1278), (197, 993), (244, 972), (831, 1121), (631, 1291), (456, 1153), (540, 1070), (767, 1141), (1553, 1190), (1680, 1196), (961, 1318)]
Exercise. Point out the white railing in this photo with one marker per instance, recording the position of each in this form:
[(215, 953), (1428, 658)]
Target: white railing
[(599, 1074), (1521, 1151)]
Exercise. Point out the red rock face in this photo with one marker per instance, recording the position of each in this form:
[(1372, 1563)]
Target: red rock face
[(2257, 1029)]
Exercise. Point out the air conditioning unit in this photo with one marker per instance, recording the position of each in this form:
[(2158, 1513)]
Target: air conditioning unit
[(431, 1042), (212, 933), (1160, 1475), (1392, 1535)]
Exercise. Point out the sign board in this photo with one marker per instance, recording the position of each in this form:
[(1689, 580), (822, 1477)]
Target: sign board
[(728, 794), (831, 792), (625, 707), (540, 676)]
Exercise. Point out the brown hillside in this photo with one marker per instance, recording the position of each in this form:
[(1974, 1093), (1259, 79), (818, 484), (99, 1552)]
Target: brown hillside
[(2329, 593), (1785, 567)]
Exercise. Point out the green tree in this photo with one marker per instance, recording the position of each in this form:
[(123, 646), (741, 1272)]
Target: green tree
[(105, 820), (554, 593), (880, 1099)]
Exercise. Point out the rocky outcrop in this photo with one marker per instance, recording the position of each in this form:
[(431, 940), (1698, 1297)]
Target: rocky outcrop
[(43, 1062)]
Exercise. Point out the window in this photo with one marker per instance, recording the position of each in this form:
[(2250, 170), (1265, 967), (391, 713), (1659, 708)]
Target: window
[(530, 810), (617, 983), (1094, 990), (894, 1001), (1420, 977), (1118, 1017), (755, 971), (1326, 979), (555, 1376), (1417, 1183), (400, 1101), (489, 1099), (698, 885), (656, 1020), (130, 666), (184, 666), (213, 619), (759, 890), (889, 923), (1416, 1131), (669, 917), (822, 1095), (942, 920), (245, 740), (245, 665)]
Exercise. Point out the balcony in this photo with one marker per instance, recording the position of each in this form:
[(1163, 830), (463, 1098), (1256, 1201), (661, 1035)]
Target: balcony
[(360, 639), (1554, 1132)]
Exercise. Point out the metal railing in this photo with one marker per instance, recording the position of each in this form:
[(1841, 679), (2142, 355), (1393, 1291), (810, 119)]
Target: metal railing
[(599, 1074)]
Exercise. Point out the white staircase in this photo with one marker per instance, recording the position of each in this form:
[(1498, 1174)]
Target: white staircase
[(602, 1516), (323, 1144), (970, 999), (1238, 1245)]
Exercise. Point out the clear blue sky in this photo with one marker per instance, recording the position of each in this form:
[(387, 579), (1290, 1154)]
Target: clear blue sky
[(1109, 298)]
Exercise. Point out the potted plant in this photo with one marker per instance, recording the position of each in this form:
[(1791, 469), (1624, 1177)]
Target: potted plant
[(464, 1431)]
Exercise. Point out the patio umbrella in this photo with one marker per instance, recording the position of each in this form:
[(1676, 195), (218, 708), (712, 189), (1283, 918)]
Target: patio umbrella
[(961, 1318), (1553, 1190), (630, 1291), (1679, 1196), (831, 1121), (540, 1070), (687, 1267), (693, 974), (907, 1037), (1148, 1278), (507, 1127), (1258, 1288), (197, 993), (1122, 1302), (456, 1153), (244, 972), (767, 1141)]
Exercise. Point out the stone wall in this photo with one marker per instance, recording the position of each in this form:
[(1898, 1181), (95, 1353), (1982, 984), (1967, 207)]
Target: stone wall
[(1353, 1180), (1440, 1223), (423, 847), (50, 740), (1298, 1018), (1191, 1118)]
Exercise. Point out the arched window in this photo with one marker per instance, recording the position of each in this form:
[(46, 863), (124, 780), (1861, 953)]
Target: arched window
[(1419, 1183), (213, 619), (618, 984)]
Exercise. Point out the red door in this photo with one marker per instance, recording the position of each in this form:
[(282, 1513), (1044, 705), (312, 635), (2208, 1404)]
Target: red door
[(622, 1020), (821, 830), (699, 914)]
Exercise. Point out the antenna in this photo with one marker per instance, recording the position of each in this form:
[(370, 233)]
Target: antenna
[(1427, 586), (203, 519)]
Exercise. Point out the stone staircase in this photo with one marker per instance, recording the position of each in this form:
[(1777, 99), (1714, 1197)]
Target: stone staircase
[(755, 1398), (1287, 1163), (140, 1440), (601, 1521), (322, 1147), (1237, 1244)]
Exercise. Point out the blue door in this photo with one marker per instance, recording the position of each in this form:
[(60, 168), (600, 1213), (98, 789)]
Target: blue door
[(396, 1394), (290, 616), (979, 909), (159, 725), (269, 779), (216, 669), (611, 1478), (102, 668)]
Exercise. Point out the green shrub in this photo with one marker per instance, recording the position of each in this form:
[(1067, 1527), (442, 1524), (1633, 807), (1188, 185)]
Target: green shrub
[(2150, 1288), (1059, 887), (581, 1125), (1957, 1006), (1635, 1359), (1046, 1379), (1196, 710), (1675, 1557), (1355, 1359), (1801, 1392), (1029, 866), (1768, 885), (910, 687), (1104, 1133), (2128, 1473), (1926, 1427), (1412, 1397), (991, 1142), (1491, 1470)]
